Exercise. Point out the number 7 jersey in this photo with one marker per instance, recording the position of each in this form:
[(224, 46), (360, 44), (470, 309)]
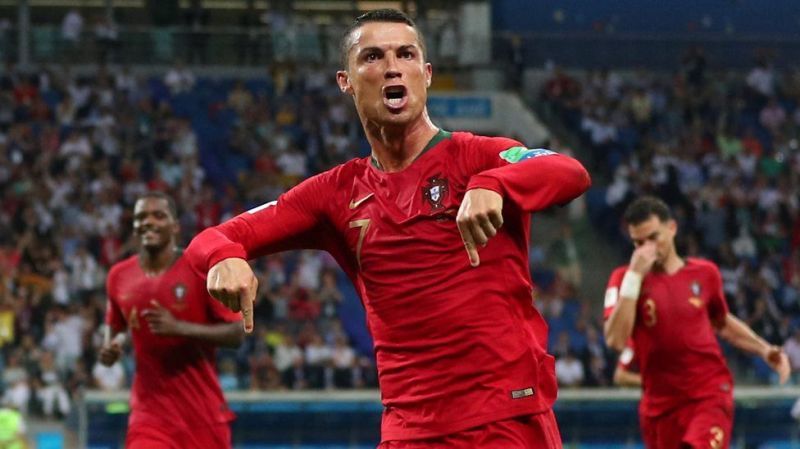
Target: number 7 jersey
[(456, 346)]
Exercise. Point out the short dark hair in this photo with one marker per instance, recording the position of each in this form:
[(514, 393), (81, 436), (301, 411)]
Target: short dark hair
[(158, 195), (377, 15), (642, 208)]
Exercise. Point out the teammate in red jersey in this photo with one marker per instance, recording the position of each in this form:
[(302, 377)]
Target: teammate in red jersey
[(176, 400), (671, 308), (461, 351)]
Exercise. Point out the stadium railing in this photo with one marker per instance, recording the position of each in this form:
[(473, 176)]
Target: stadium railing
[(588, 418)]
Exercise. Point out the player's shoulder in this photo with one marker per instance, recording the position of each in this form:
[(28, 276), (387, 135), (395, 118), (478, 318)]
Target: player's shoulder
[(124, 266), (468, 139), (342, 173), (698, 263), (618, 272)]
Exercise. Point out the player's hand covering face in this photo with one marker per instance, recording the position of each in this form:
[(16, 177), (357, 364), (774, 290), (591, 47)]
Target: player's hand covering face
[(387, 74), (153, 224), (234, 284)]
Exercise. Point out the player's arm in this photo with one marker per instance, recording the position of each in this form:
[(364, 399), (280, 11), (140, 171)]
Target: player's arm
[(737, 333), (533, 179), (163, 322), (624, 375), (626, 378), (114, 329), (221, 252), (501, 170), (621, 309)]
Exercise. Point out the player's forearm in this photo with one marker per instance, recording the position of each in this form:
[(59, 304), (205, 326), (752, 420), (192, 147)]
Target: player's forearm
[(625, 378), (739, 334), (537, 183), (221, 334), (619, 326)]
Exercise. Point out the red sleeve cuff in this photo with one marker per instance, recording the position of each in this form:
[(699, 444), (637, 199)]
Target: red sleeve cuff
[(481, 181), (233, 250)]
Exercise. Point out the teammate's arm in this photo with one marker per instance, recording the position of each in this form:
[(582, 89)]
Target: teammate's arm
[(626, 378), (737, 333), (619, 325), (624, 373), (114, 331), (163, 322)]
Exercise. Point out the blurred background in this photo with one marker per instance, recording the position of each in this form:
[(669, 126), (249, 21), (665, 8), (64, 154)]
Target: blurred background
[(225, 104)]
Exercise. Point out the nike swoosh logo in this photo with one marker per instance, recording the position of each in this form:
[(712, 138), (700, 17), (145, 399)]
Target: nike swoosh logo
[(354, 203)]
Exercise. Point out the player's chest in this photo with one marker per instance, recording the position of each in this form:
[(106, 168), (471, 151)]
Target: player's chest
[(385, 216), (668, 303), (139, 293)]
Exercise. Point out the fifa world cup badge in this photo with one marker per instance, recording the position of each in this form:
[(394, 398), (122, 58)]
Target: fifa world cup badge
[(435, 192)]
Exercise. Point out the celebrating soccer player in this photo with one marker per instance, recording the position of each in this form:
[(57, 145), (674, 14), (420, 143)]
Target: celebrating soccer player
[(670, 306), (461, 351), (176, 400)]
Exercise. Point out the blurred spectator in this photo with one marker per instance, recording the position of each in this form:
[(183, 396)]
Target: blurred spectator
[(108, 378), (107, 38), (179, 78), (50, 390), (569, 370), (72, 26)]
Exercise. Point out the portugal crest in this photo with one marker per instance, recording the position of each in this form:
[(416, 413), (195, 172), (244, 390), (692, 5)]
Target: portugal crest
[(435, 191), (179, 290)]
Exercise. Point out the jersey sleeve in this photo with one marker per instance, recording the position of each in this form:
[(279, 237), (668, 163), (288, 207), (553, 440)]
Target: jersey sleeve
[(717, 305), (291, 222), (612, 291), (534, 179), (115, 319)]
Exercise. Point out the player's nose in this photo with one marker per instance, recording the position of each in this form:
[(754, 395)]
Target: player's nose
[(392, 68)]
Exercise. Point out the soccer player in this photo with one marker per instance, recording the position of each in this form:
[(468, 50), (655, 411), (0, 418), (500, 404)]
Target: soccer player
[(671, 307), (176, 400), (461, 351)]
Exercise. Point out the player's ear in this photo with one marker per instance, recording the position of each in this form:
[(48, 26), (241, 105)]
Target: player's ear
[(343, 80), (428, 74), (672, 225)]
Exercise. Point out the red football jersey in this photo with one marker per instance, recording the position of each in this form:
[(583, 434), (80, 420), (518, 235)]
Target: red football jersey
[(676, 345), (456, 346), (175, 382)]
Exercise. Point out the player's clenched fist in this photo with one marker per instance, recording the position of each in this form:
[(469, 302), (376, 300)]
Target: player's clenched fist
[(479, 218), (643, 258), (233, 283)]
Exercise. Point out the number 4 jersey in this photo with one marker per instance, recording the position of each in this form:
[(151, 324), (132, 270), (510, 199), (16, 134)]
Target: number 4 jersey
[(456, 347), (674, 339)]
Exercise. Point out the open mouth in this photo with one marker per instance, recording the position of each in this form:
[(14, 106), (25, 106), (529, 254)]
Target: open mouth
[(394, 97)]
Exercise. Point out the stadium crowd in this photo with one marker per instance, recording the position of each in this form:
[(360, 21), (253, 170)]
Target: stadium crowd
[(723, 150), (77, 148)]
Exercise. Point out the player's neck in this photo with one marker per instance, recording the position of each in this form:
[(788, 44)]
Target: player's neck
[(157, 262), (395, 148), (673, 264)]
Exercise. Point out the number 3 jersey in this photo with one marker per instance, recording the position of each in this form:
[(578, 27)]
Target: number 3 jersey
[(175, 384), (456, 346), (674, 335)]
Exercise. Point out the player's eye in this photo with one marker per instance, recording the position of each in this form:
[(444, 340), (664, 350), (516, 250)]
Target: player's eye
[(407, 55), (371, 57)]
